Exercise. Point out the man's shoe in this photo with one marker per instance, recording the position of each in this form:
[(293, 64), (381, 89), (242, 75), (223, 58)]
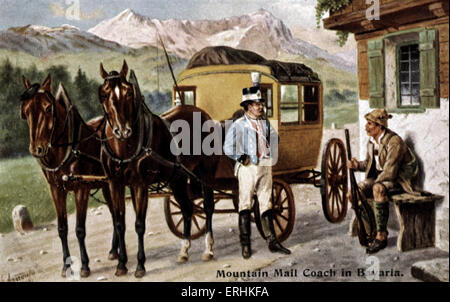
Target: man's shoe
[(246, 251), (269, 232), (376, 246), (276, 247)]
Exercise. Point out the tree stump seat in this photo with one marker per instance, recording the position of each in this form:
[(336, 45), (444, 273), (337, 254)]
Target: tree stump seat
[(416, 217)]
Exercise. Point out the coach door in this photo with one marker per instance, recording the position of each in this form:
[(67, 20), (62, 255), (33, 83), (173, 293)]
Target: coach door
[(300, 126)]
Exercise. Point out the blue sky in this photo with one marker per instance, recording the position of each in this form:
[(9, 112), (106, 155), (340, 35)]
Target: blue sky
[(57, 12)]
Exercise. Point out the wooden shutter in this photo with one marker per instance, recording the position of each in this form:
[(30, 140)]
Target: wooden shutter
[(376, 73), (429, 96)]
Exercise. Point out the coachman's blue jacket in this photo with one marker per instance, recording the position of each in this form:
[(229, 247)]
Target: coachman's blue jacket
[(241, 139)]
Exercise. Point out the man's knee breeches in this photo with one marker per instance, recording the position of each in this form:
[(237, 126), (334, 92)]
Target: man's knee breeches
[(370, 189), (255, 179)]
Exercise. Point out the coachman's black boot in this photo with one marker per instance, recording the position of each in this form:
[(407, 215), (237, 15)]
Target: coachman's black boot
[(244, 233), (269, 231)]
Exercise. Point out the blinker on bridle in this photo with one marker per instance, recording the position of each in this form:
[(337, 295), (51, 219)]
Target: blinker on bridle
[(31, 92)]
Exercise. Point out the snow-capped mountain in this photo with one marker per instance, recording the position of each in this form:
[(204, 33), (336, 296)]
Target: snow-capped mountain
[(42, 41), (259, 31)]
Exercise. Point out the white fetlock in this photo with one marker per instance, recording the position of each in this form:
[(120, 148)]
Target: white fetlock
[(183, 256), (208, 254)]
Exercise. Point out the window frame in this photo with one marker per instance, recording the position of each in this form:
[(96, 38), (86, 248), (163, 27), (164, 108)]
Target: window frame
[(399, 106), (299, 98), (268, 86), (183, 89), (318, 120)]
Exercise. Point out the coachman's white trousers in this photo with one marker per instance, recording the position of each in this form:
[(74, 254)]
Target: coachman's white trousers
[(255, 179)]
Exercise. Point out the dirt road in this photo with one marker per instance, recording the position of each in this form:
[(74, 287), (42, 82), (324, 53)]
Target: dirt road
[(321, 251)]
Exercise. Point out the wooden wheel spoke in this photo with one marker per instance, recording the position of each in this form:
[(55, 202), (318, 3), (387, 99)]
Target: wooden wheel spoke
[(200, 215), (282, 216), (278, 224), (194, 219), (176, 213), (174, 204), (179, 222)]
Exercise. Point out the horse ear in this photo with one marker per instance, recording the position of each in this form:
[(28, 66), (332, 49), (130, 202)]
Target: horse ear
[(26, 82), (103, 72), (47, 83), (124, 71)]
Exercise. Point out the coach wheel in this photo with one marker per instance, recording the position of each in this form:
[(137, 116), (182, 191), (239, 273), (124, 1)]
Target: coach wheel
[(334, 181), (174, 218)]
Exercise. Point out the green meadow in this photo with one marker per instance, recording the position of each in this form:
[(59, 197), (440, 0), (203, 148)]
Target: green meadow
[(23, 183)]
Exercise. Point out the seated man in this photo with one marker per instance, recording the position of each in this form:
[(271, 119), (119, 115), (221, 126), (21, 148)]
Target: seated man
[(389, 163), (248, 142)]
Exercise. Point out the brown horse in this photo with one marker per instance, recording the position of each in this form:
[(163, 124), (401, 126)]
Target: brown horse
[(136, 153), (65, 146)]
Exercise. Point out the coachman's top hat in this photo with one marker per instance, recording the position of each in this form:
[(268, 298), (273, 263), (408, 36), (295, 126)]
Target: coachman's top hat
[(251, 94)]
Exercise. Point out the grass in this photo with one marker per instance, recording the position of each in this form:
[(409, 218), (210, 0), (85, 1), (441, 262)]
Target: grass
[(22, 182), (340, 115)]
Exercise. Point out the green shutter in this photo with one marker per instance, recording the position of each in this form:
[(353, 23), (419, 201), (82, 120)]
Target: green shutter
[(428, 69), (376, 73)]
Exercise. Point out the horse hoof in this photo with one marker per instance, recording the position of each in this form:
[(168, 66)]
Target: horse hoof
[(121, 272), (113, 256), (64, 272), (207, 257), (182, 259), (84, 273), (139, 273)]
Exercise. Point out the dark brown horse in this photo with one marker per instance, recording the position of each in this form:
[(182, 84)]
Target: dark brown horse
[(65, 147), (136, 153)]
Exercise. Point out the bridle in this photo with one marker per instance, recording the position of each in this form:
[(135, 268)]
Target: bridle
[(68, 123), (143, 120)]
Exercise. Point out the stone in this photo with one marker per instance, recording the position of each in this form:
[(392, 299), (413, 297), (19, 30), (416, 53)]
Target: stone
[(10, 259), (316, 250), (435, 270), (102, 278), (44, 229), (306, 223), (230, 230), (42, 252), (226, 266), (22, 219), (97, 260)]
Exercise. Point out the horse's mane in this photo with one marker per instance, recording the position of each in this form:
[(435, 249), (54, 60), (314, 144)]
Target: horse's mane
[(63, 98)]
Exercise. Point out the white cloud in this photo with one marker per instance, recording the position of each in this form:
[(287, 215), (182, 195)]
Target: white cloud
[(295, 12)]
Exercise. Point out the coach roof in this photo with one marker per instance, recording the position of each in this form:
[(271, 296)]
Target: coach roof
[(223, 55)]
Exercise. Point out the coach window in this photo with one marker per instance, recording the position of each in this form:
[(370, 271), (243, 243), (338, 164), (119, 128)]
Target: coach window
[(266, 91), (187, 94), (289, 113), (310, 112)]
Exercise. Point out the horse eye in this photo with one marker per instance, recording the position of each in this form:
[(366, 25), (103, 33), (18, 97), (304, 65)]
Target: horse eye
[(129, 93), (48, 109)]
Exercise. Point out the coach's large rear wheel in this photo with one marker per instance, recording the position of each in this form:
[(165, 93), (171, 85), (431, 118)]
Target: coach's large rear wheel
[(334, 181)]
